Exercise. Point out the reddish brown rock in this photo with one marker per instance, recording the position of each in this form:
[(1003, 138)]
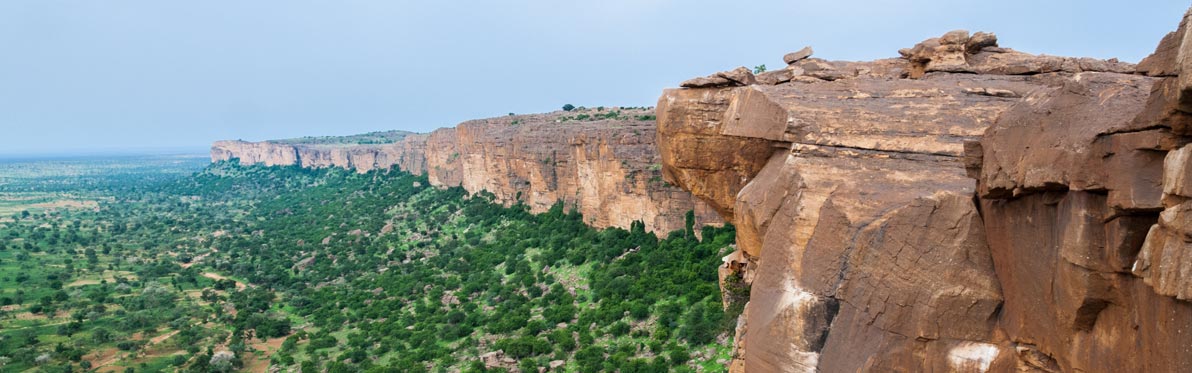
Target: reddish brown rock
[(798, 55), (254, 153), (1021, 153), (957, 52), (735, 77), (696, 156), (777, 76), (867, 160), (869, 247), (609, 168), (1165, 61), (979, 41)]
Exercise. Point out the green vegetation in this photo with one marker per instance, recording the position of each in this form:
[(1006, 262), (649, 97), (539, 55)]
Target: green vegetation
[(568, 107), (237, 268), (605, 115), (379, 137)]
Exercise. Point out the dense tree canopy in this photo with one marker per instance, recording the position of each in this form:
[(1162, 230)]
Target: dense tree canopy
[(357, 272)]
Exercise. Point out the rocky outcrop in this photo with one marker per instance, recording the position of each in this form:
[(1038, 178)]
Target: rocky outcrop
[(965, 207), (603, 162), (360, 157)]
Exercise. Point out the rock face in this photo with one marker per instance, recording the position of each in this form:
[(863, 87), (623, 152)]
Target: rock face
[(604, 162), (963, 208)]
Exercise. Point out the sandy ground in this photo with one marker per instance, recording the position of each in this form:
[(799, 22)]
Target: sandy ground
[(67, 203), (110, 276), (83, 282), (53, 205), (104, 360), (267, 348), (104, 356), (218, 277), (32, 316)]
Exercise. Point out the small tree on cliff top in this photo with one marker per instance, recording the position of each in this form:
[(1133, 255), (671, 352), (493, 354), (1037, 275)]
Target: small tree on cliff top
[(568, 107)]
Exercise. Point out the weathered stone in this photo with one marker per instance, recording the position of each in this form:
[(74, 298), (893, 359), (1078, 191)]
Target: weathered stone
[(804, 79), (705, 82), (1166, 256), (712, 166), (735, 77), (1141, 152), (797, 56), (979, 41), (1177, 173), (820, 69), (740, 76), (1021, 153), (872, 250), (844, 139), (992, 92), (607, 168), (254, 153), (974, 157), (1165, 61), (775, 77), (1111, 65), (957, 52), (955, 37)]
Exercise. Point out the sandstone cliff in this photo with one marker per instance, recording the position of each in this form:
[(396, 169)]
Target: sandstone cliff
[(605, 162), (964, 207)]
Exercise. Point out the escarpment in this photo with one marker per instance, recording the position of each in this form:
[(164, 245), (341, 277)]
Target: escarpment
[(604, 162), (964, 207)]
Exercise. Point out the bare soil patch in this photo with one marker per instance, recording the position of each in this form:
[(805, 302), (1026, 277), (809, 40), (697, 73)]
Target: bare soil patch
[(219, 277)]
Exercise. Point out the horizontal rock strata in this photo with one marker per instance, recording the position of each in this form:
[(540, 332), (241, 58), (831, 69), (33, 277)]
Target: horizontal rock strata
[(602, 162), (965, 207)]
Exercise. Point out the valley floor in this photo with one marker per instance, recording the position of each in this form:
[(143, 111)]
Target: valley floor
[(246, 268)]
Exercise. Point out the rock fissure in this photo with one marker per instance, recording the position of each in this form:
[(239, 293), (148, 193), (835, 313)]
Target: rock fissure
[(968, 207)]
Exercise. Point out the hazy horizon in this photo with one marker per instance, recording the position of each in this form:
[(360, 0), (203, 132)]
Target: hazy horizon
[(106, 153), (140, 77)]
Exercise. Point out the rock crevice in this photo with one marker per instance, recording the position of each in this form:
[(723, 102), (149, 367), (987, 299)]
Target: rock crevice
[(965, 207)]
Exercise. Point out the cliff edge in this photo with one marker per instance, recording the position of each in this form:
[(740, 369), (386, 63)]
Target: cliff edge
[(602, 161), (964, 207)]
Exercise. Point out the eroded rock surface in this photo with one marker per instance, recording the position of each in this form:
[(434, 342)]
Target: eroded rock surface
[(608, 168), (965, 208)]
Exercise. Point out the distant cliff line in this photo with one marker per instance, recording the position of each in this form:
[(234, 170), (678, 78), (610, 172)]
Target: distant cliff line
[(603, 161)]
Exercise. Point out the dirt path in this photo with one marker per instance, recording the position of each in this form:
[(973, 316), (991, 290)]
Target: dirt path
[(219, 277), (115, 357), (161, 338)]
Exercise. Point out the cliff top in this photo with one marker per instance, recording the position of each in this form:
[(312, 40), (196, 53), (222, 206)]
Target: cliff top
[(954, 52), (371, 138), (582, 117)]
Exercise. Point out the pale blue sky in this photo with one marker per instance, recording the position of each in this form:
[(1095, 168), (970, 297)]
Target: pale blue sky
[(91, 75)]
